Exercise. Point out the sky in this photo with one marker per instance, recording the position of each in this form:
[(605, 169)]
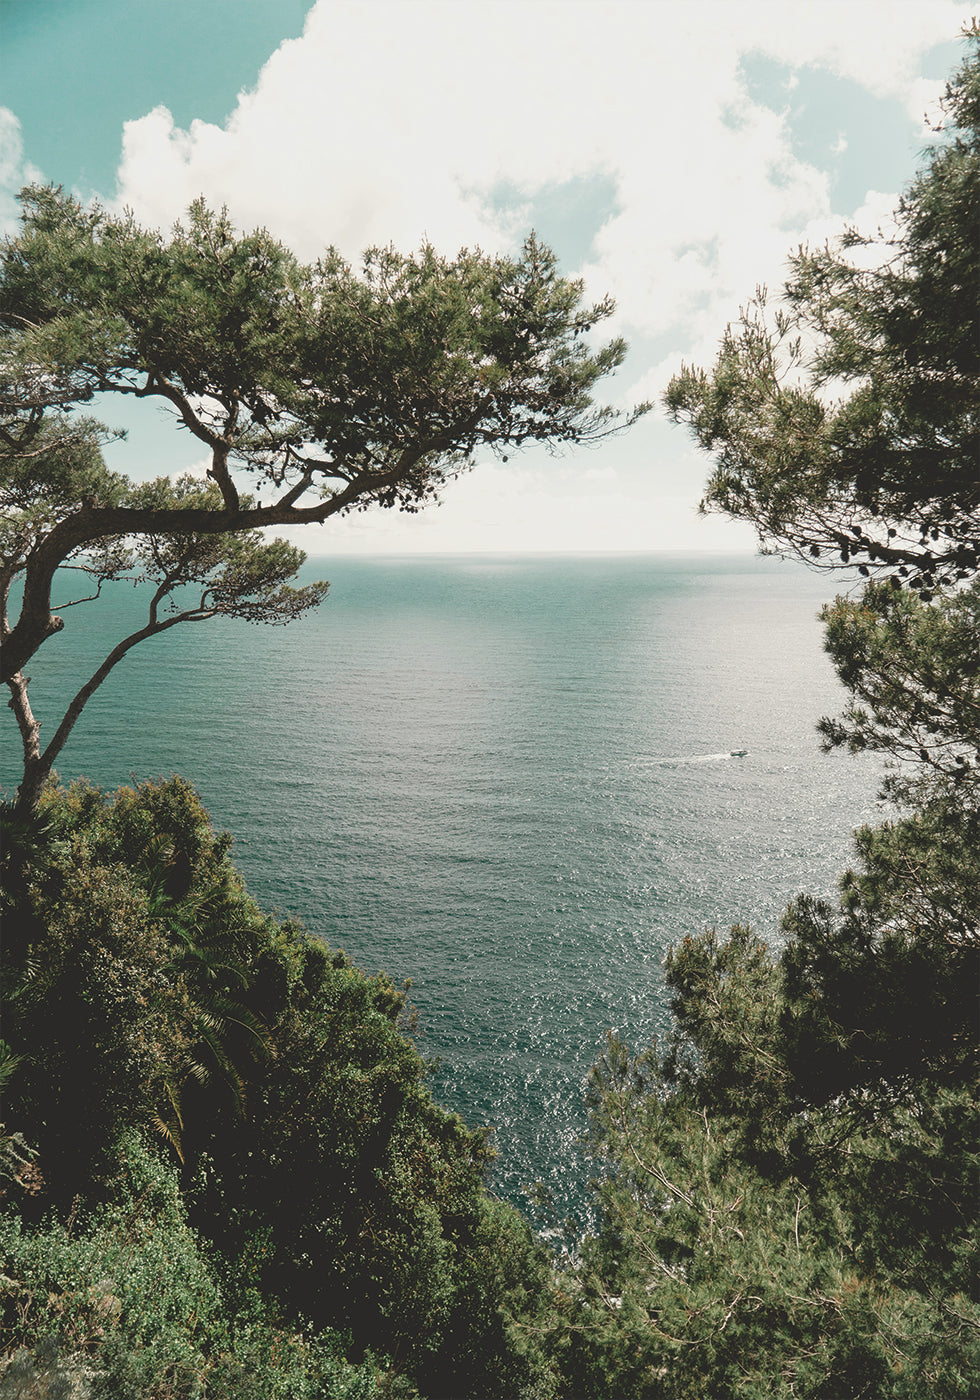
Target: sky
[(672, 154)]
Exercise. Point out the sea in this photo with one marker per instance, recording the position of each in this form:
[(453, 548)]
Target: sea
[(516, 781)]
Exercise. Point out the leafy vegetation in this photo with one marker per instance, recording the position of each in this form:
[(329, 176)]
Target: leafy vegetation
[(267, 1088), (223, 1171), (789, 1187), (124, 1298), (844, 425), (324, 389)]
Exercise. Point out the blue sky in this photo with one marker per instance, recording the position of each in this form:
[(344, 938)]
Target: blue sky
[(672, 154)]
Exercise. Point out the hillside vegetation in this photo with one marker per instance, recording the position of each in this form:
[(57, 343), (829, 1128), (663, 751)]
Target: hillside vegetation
[(224, 1174)]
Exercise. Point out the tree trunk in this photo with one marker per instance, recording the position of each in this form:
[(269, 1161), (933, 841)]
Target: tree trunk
[(36, 768), (38, 764)]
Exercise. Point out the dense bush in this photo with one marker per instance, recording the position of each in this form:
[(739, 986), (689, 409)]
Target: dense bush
[(790, 1249), (146, 992), (224, 1173), (122, 1300)]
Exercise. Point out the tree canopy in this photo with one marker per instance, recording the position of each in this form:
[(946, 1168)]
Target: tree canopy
[(315, 390), (221, 1126), (788, 1187), (786, 1190), (845, 424)]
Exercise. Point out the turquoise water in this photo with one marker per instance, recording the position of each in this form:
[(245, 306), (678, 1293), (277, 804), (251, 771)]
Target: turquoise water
[(509, 779)]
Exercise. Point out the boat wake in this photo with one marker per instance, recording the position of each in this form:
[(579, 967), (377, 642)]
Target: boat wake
[(704, 757)]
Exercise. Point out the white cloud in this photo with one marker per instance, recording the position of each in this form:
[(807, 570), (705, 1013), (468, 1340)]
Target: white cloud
[(877, 45), (15, 172), (389, 120), (703, 332), (393, 120), (11, 146)]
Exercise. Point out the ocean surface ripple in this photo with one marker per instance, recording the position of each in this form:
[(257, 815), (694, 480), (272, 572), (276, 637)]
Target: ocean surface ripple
[(516, 781)]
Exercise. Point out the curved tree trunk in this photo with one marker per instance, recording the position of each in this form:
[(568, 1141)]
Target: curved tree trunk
[(38, 763), (35, 770)]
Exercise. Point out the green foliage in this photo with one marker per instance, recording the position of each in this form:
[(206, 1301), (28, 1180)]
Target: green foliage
[(402, 1248), (125, 1296), (884, 988), (227, 575), (886, 474), (436, 354), (816, 1116), (727, 1005), (332, 390), (914, 674), (146, 992), (499, 1316), (91, 1013), (63, 466), (116, 1002), (786, 1192), (842, 1263)]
